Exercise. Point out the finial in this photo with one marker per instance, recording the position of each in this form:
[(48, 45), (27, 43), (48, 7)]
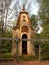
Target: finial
[(23, 7)]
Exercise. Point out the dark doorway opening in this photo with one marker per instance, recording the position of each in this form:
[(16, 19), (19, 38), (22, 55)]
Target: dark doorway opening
[(24, 44)]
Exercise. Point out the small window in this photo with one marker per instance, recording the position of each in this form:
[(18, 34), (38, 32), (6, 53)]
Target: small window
[(24, 20), (24, 29), (23, 16)]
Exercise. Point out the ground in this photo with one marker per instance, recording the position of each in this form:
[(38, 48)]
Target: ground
[(25, 63)]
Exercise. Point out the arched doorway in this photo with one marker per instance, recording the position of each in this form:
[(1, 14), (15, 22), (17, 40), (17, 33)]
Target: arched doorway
[(24, 44)]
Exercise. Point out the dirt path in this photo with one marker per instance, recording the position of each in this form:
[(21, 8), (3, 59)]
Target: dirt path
[(25, 63)]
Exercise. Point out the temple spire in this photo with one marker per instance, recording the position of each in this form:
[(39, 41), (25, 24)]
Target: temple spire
[(23, 7)]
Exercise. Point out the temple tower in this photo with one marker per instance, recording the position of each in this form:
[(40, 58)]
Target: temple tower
[(23, 31)]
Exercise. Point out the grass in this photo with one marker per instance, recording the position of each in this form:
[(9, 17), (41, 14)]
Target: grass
[(6, 55), (21, 58), (26, 58)]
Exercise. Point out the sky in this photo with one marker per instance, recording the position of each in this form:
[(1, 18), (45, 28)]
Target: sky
[(34, 6)]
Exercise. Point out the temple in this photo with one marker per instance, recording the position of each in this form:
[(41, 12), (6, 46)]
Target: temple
[(23, 31)]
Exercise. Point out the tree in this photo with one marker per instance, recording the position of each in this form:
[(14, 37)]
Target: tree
[(34, 21), (44, 19)]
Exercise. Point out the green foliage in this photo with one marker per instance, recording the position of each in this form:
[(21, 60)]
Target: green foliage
[(44, 17), (33, 21), (45, 51), (7, 44), (27, 58), (45, 6), (6, 55), (6, 48), (44, 11), (0, 30)]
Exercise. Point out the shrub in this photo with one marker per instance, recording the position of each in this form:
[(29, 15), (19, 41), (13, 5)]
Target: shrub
[(6, 55), (27, 58)]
